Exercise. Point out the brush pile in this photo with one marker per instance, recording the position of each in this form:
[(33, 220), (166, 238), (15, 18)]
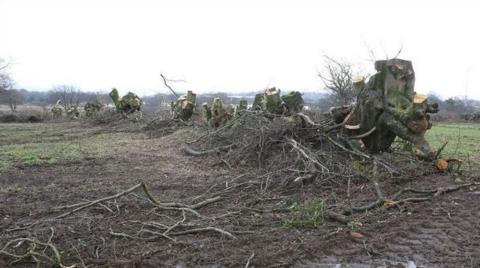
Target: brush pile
[(299, 151), (269, 142)]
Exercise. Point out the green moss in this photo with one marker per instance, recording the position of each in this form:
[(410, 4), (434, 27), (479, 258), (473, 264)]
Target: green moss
[(272, 102), (293, 101), (115, 98)]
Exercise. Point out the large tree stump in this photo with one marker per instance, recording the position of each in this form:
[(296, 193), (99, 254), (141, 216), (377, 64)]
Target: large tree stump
[(257, 102), (184, 107), (389, 103), (272, 102), (242, 106), (207, 112), (91, 108), (127, 104), (57, 112), (293, 102), (73, 113), (219, 113)]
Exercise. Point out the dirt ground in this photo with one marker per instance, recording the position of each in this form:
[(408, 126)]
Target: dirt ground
[(97, 162)]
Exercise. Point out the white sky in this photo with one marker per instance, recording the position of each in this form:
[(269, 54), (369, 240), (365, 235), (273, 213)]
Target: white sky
[(235, 45)]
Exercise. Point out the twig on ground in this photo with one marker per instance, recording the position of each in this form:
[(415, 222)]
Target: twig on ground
[(249, 260), (89, 204), (205, 229), (192, 152)]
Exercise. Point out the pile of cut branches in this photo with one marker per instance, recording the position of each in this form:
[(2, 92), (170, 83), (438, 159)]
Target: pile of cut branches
[(272, 142), (301, 151)]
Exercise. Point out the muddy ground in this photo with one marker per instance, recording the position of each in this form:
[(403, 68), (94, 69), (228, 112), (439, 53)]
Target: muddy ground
[(253, 208)]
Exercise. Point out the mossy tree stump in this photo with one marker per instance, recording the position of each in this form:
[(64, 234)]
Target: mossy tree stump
[(272, 102), (389, 103), (91, 108), (293, 102), (184, 107), (129, 103)]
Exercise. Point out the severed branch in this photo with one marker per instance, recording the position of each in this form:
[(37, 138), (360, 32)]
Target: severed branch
[(363, 135), (333, 216), (205, 229), (192, 152), (168, 86), (307, 120), (84, 205), (4, 66), (168, 206), (366, 156), (341, 124), (303, 151), (250, 260)]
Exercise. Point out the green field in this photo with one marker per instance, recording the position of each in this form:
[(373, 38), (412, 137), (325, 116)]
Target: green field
[(463, 140), (23, 144), (43, 144)]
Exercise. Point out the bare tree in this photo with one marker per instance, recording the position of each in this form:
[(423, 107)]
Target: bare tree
[(13, 98), (337, 78), (8, 95), (69, 96), (6, 81)]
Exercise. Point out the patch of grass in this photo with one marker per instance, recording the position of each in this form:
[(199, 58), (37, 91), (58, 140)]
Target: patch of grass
[(32, 154), (45, 144), (29, 146), (307, 214), (4, 165), (23, 155), (21, 133), (463, 140)]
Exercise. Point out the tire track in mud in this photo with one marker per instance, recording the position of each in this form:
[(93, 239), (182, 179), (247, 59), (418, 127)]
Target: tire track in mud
[(441, 233), (445, 233)]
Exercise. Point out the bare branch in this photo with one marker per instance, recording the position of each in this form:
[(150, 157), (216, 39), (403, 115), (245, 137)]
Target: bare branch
[(165, 80)]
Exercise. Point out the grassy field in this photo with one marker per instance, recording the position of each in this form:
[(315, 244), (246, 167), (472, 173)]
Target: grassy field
[(463, 140), (24, 145)]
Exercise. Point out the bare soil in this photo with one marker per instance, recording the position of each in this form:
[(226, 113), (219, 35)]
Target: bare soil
[(443, 232)]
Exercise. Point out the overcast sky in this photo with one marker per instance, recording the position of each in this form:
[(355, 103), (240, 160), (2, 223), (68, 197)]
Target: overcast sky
[(235, 45)]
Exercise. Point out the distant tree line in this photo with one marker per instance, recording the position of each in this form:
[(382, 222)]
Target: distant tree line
[(336, 76), (66, 96), (69, 96)]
